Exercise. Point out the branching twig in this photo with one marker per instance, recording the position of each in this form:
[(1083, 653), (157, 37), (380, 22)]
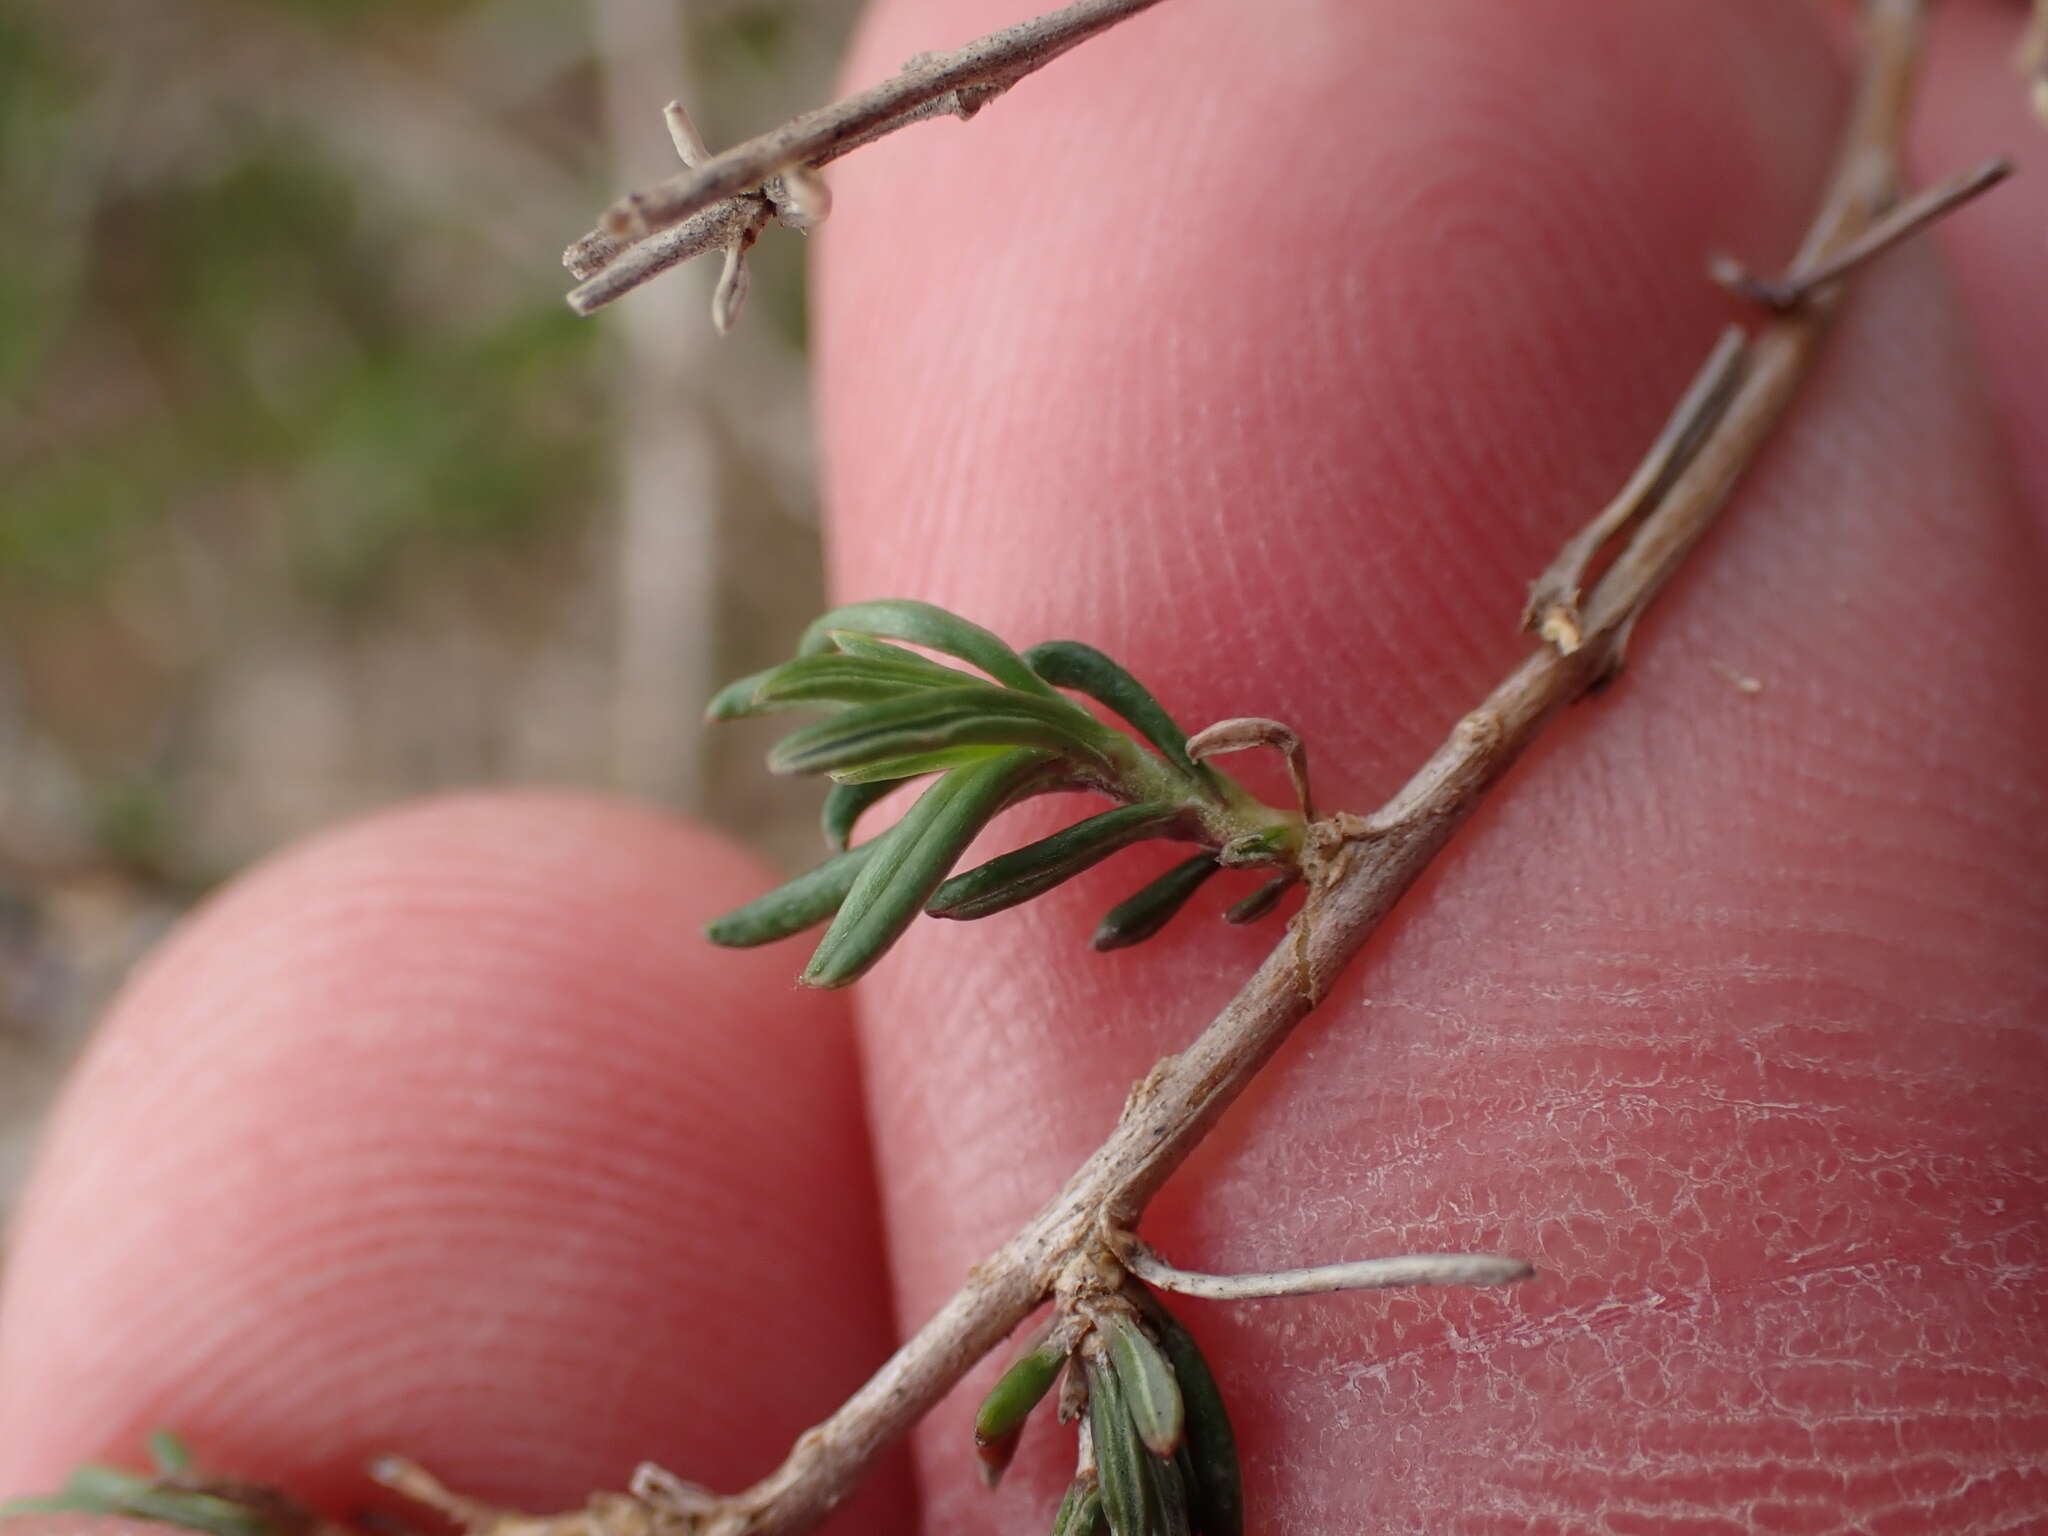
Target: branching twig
[(1553, 607), (1901, 223), (1359, 867), (704, 208)]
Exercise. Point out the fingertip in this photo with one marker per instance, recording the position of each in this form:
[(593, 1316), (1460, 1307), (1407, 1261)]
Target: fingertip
[(445, 1134), (1274, 357)]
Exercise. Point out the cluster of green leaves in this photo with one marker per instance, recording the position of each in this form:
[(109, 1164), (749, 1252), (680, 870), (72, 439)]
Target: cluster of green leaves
[(994, 737), (1164, 1454), (175, 1494)]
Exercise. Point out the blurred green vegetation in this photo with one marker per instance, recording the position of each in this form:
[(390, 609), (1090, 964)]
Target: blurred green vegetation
[(311, 487), (38, 94), (280, 353), (282, 361)]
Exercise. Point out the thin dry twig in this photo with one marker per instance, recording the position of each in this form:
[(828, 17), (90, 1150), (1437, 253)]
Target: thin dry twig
[(1359, 868), (1553, 607), (647, 232), (1901, 223), (713, 228), (1322, 1279), (422, 1487)]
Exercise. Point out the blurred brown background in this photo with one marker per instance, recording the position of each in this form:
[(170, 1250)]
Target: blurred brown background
[(314, 496)]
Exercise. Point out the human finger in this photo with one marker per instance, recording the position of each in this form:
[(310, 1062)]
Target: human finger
[(446, 1134), (1274, 353)]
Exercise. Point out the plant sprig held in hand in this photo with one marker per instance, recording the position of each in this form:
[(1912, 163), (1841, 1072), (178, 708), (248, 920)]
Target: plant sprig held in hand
[(1155, 1453), (993, 737)]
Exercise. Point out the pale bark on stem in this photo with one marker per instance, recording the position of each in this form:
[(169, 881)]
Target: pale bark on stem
[(1322, 1279), (715, 228), (1359, 867), (1553, 607), (1900, 223), (647, 232)]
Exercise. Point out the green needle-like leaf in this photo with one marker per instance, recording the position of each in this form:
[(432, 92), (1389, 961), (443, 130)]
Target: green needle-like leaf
[(999, 1424), (103, 1484), (1138, 917), (1127, 1492), (735, 701), (929, 626), (1080, 1511), (932, 720), (173, 1495), (1065, 1516), (894, 770), (799, 904), (1149, 1388), (1216, 1493), (915, 857), (1033, 870), (196, 1511), (90, 1489), (1260, 902), (853, 643), (1071, 664), (1019, 1390), (813, 681), (1268, 846), (854, 790), (844, 806), (170, 1455), (110, 1491), (1169, 1496), (1190, 1485)]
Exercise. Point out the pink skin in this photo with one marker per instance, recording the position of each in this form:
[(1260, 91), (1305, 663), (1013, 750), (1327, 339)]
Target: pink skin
[(1999, 253), (1272, 352), (441, 1133)]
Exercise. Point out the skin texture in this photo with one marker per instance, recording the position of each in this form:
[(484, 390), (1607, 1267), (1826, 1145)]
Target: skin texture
[(1997, 255), (439, 1133), (1271, 349)]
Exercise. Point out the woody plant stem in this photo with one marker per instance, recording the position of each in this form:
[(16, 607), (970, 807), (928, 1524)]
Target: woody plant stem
[(719, 201)]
